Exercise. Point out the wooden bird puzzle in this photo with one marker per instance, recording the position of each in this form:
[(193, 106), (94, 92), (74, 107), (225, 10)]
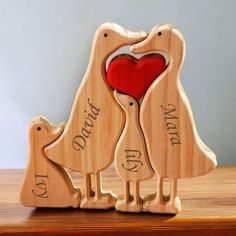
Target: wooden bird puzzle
[(134, 112)]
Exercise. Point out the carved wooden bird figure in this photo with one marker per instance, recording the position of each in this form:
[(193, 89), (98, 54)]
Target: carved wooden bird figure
[(131, 158), (46, 184), (174, 146), (88, 142)]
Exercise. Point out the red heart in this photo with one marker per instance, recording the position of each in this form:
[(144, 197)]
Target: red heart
[(133, 76)]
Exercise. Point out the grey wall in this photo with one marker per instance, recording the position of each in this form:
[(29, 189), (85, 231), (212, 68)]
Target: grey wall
[(44, 51)]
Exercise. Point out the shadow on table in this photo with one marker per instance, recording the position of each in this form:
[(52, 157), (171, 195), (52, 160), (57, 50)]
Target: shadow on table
[(97, 216)]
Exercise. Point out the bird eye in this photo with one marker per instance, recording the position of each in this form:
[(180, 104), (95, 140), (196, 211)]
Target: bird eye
[(131, 103), (39, 128), (105, 35), (159, 33)]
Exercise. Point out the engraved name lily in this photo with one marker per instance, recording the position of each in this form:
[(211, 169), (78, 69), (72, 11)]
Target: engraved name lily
[(133, 162)]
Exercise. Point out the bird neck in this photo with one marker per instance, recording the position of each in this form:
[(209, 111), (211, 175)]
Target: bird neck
[(176, 55), (35, 152), (131, 117), (97, 62)]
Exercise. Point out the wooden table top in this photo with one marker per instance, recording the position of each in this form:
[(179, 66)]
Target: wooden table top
[(208, 206)]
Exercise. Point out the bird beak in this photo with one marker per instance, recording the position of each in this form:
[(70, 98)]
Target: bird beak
[(129, 37), (62, 125), (132, 37), (56, 131), (140, 47), (147, 44)]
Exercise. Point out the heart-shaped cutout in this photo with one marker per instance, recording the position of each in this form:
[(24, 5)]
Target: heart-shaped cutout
[(133, 76)]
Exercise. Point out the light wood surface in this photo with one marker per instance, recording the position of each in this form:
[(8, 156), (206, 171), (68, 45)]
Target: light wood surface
[(208, 208), (88, 142), (173, 144), (131, 159), (46, 184)]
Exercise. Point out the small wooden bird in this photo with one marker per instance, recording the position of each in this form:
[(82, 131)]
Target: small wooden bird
[(45, 183), (131, 158)]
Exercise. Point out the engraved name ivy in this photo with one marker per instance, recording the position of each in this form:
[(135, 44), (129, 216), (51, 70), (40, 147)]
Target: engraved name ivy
[(41, 186)]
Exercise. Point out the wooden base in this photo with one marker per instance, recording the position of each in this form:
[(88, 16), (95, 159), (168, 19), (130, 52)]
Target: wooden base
[(105, 201), (130, 205), (154, 204)]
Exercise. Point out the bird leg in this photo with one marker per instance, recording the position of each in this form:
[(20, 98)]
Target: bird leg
[(170, 203), (175, 203), (127, 191), (159, 203), (137, 198), (96, 199), (128, 203), (104, 200), (138, 201), (98, 191), (173, 189), (163, 197), (160, 189), (99, 194), (88, 192), (123, 201)]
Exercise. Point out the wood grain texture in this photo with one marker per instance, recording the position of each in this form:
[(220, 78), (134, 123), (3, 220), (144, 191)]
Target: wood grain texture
[(131, 158), (46, 184), (174, 146), (88, 142), (208, 208)]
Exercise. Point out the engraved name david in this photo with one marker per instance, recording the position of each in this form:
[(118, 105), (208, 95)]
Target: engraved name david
[(91, 113), (171, 119)]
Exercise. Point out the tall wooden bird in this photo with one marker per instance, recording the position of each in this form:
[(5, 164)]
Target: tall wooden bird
[(174, 146), (88, 142)]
